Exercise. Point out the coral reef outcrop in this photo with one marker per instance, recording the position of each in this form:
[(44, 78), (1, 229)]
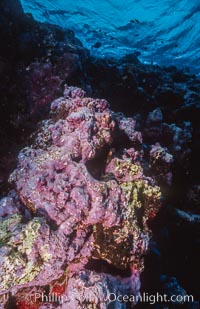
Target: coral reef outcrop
[(81, 199)]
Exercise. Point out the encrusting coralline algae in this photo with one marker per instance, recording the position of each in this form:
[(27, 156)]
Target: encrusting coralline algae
[(80, 198)]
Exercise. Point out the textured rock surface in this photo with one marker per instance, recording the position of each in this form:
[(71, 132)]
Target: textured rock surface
[(81, 195), (36, 60)]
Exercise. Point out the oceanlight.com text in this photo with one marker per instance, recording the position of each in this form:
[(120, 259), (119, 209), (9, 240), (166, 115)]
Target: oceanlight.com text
[(151, 298), (112, 297)]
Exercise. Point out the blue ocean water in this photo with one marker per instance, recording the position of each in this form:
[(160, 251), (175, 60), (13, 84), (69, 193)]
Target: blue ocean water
[(165, 32)]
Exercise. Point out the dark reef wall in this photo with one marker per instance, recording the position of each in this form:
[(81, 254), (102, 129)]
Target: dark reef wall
[(35, 62), (154, 143)]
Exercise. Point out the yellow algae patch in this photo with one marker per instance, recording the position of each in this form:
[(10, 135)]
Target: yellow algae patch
[(18, 267)]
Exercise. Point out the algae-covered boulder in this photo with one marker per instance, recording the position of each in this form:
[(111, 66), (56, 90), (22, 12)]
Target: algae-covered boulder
[(84, 207)]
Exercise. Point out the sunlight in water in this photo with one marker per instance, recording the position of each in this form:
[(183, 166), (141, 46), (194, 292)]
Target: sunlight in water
[(111, 28)]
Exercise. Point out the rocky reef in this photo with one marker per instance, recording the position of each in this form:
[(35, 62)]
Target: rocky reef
[(80, 198), (81, 214), (36, 60)]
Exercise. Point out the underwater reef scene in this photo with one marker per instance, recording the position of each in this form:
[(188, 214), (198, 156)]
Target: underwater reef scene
[(99, 167), (163, 32)]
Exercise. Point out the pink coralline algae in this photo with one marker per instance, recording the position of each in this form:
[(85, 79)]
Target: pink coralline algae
[(80, 208), (43, 81), (43, 86)]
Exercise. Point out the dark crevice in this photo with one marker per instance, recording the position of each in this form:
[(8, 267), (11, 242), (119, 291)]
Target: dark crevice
[(102, 266), (11, 303), (96, 166)]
